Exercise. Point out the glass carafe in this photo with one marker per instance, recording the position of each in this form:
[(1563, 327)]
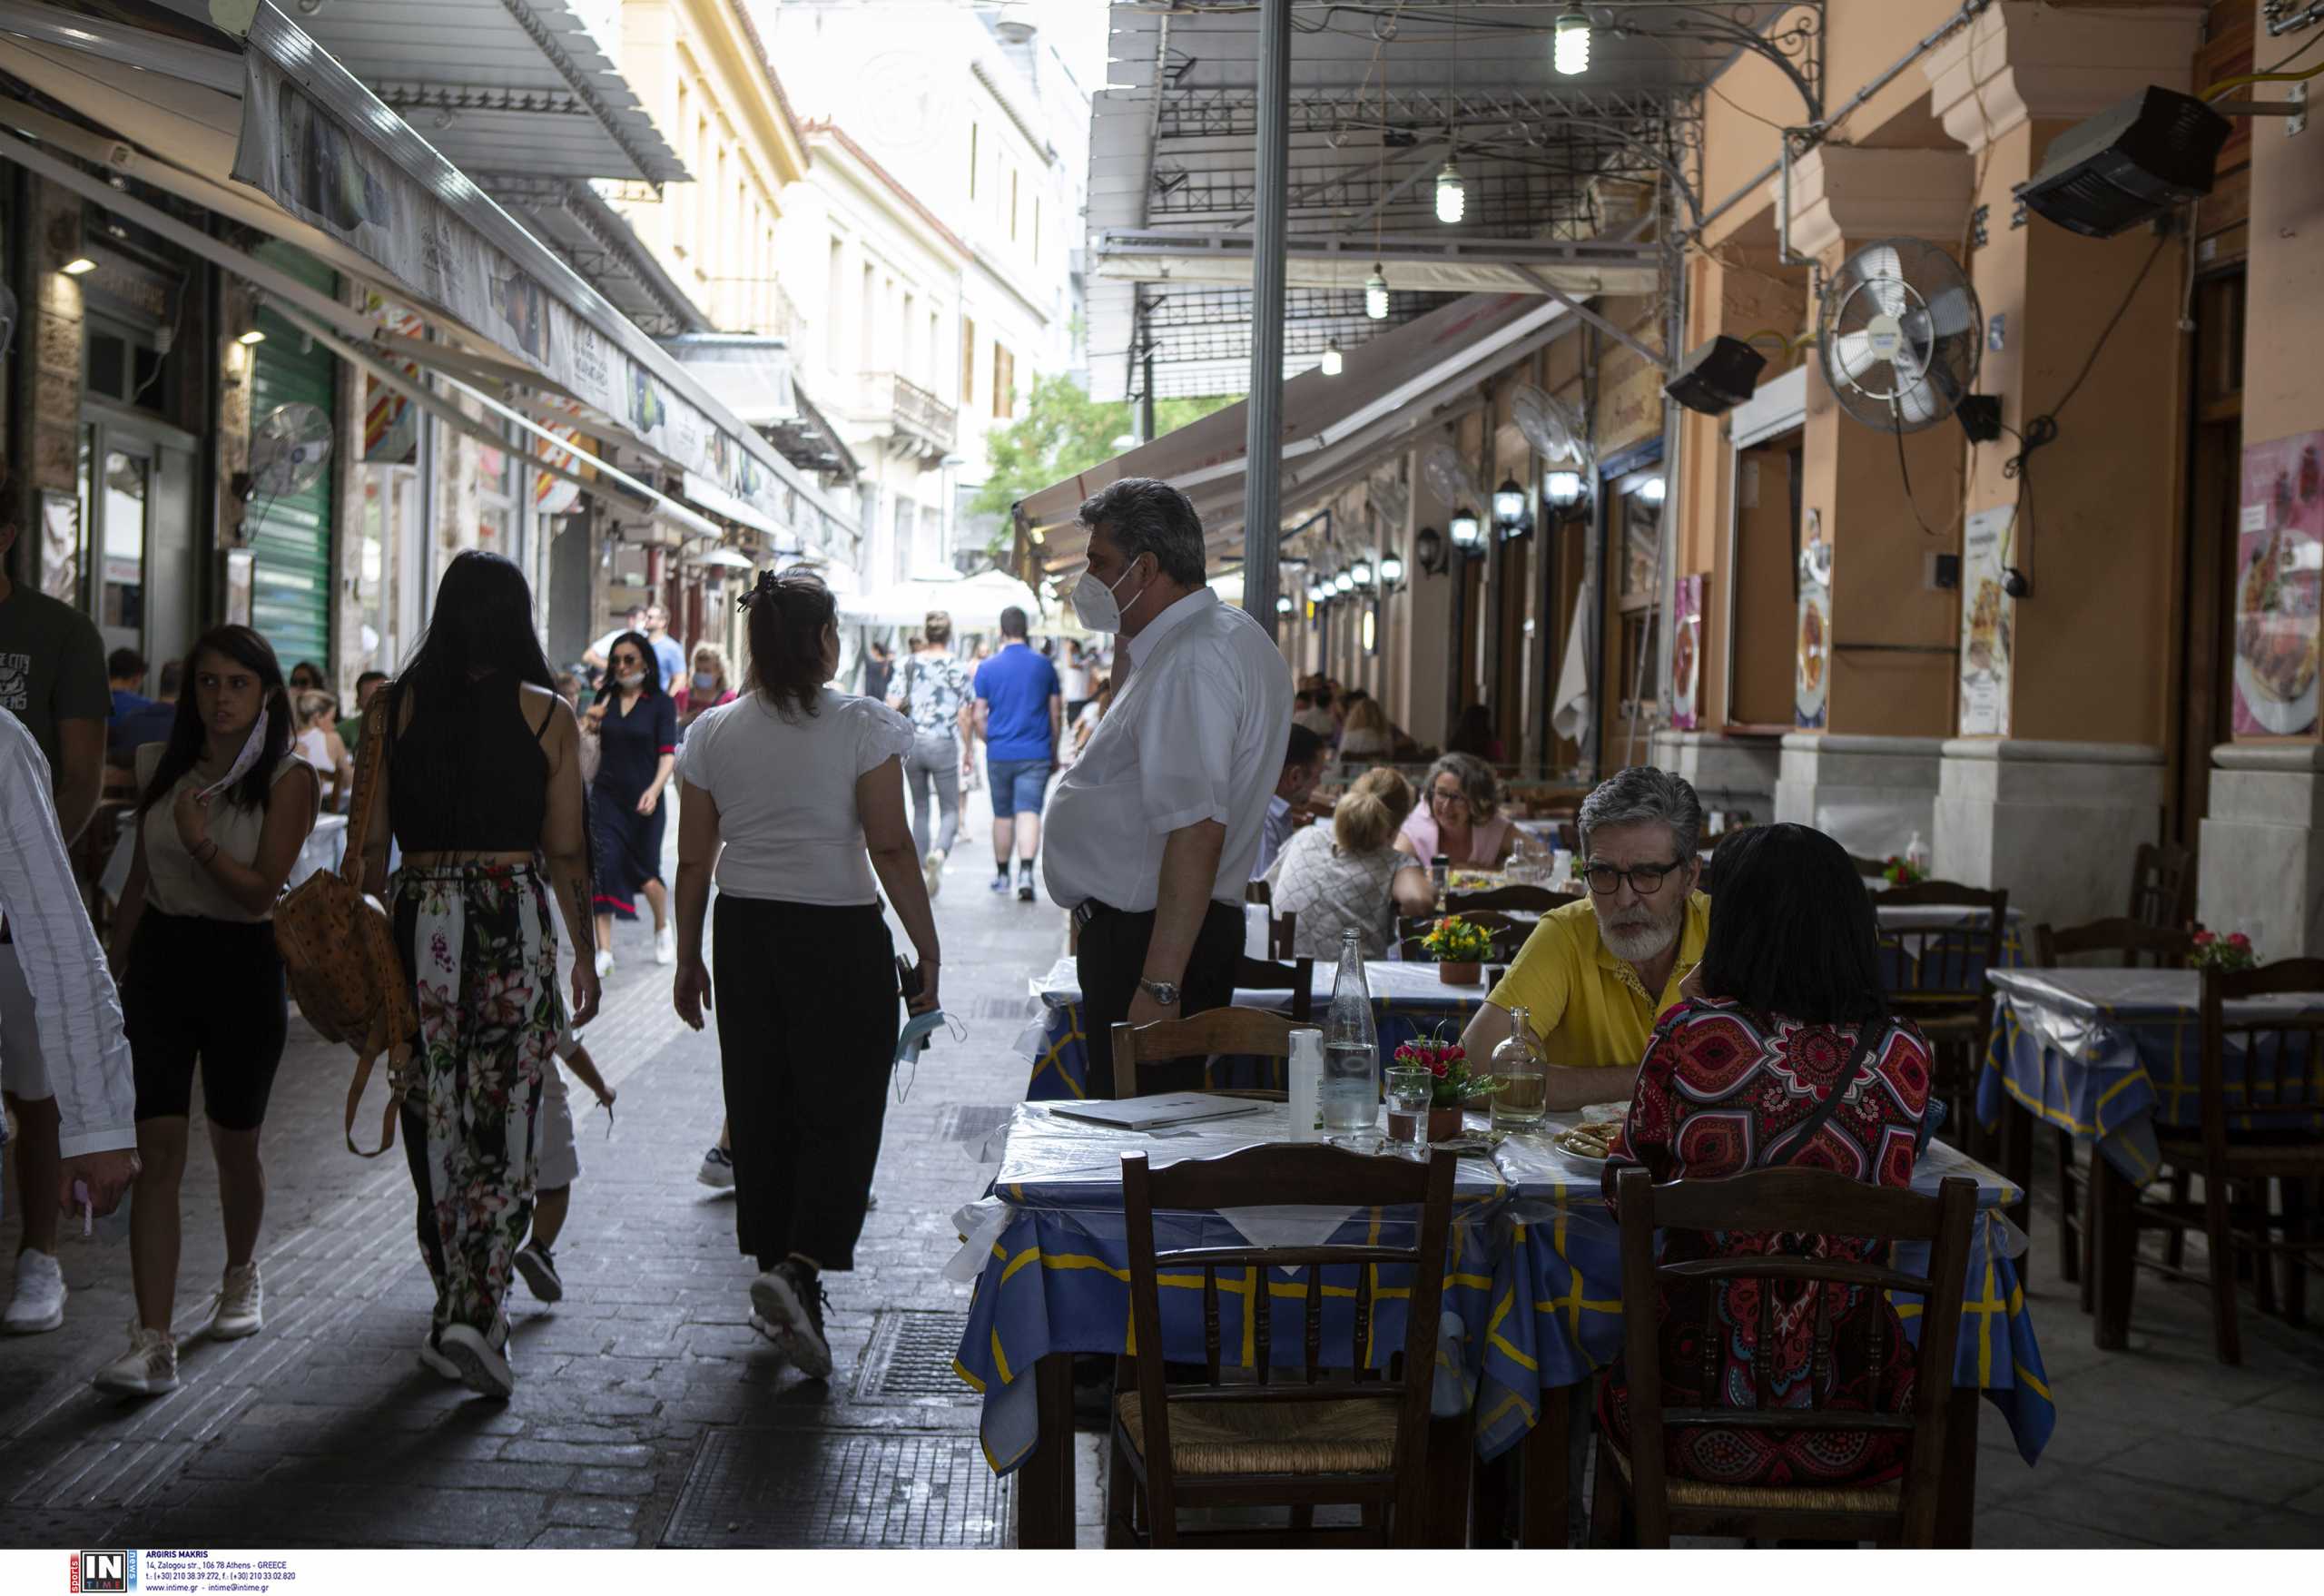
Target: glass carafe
[(1350, 1087), (1521, 1077)]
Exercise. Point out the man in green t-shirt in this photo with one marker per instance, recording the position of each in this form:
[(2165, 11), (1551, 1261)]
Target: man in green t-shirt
[(53, 677), (350, 730)]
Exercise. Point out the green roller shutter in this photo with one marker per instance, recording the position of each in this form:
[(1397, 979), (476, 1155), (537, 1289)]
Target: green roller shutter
[(290, 533)]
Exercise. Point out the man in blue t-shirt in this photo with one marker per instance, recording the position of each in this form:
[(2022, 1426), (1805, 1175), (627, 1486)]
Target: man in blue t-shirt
[(1020, 708)]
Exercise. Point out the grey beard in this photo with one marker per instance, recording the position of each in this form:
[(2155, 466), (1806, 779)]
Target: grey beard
[(1638, 946)]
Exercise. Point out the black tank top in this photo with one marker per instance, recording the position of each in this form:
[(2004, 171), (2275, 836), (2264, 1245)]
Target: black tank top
[(467, 776)]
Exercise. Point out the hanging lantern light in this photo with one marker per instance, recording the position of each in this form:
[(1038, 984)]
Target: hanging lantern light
[(1564, 489), (1463, 528), (1283, 604), (1572, 57), (1391, 570), (1508, 503), (1343, 583), (1360, 572), (1451, 194), (1333, 359), (1375, 294)]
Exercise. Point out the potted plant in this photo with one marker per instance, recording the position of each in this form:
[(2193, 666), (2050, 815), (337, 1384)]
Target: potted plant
[(1456, 1086), (1459, 947), (1900, 872), (2213, 951)]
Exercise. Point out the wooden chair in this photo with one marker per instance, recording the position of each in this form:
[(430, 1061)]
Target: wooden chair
[(1901, 1512), (2292, 1078), (1523, 900), (1295, 976), (2137, 944), (1283, 931), (1251, 1031), (1942, 989), (2162, 886), (1324, 1437), (1258, 892), (1871, 870)]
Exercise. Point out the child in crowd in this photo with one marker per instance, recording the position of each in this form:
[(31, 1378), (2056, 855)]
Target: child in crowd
[(559, 1166)]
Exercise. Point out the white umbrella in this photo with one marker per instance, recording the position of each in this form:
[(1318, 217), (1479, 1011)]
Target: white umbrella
[(974, 602)]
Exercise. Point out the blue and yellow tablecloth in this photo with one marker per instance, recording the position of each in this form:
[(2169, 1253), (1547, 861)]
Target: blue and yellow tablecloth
[(1533, 1271), (2110, 1054), (1910, 932)]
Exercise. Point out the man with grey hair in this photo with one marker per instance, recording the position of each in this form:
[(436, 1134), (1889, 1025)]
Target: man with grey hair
[(1594, 976), (1153, 833)]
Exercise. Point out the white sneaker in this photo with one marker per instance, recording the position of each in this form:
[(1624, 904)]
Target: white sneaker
[(934, 871), (149, 1367), (432, 1358), (239, 1311), (39, 1302), (605, 962), (484, 1367), (717, 1169), (665, 945)]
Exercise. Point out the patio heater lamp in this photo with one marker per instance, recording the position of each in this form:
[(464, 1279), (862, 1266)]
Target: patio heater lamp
[(1466, 532), (1572, 47), (1451, 195), (1332, 361), (1375, 294)]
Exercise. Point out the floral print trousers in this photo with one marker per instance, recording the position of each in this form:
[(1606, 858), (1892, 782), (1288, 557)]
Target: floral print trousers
[(481, 952)]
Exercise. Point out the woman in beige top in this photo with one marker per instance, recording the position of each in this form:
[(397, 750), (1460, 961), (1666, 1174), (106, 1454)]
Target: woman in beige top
[(224, 810)]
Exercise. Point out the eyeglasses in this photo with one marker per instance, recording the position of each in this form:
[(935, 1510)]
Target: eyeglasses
[(1645, 880), (1447, 795)]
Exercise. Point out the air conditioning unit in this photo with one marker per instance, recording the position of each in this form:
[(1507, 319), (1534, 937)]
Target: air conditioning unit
[(2128, 164)]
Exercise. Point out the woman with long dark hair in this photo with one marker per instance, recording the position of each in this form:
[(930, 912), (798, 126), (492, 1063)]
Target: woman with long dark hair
[(1782, 1053), (636, 724), (802, 788), (223, 809), (485, 798)]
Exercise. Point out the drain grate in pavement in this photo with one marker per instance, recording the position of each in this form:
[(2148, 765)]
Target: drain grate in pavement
[(801, 1488), (910, 1358), (973, 1122)]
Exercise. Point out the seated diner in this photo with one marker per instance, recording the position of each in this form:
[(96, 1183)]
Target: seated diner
[(1349, 876), (1593, 975), (1460, 816)]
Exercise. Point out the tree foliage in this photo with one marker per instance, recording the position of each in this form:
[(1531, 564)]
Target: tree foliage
[(1063, 430)]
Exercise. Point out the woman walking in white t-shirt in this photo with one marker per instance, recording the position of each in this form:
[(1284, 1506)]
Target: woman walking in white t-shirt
[(795, 792)]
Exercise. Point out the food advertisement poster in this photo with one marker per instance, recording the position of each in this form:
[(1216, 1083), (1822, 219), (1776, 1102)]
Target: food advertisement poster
[(1812, 686), (1687, 655), (2279, 563), (1988, 623)]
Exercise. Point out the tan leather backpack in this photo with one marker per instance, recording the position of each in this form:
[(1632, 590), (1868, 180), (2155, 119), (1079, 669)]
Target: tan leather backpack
[(339, 952)]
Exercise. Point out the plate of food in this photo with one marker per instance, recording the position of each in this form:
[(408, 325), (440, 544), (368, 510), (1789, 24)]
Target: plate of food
[(1589, 1142)]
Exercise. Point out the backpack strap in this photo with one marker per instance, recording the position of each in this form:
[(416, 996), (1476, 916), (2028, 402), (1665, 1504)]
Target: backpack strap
[(1803, 1136)]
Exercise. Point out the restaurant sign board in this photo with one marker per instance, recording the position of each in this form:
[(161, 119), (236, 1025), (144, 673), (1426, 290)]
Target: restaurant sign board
[(1988, 622), (2279, 566)]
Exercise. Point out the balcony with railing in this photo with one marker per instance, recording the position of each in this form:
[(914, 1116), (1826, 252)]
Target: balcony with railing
[(912, 413)]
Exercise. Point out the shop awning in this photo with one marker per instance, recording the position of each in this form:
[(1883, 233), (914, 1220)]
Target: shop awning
[(254, 107), (974, 602), (1333, 426)]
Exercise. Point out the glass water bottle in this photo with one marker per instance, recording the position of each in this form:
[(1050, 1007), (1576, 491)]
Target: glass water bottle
[(1351, 1091), (1522, 1077)]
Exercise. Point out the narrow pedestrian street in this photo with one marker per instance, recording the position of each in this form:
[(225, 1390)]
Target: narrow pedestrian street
[(648, 1412)]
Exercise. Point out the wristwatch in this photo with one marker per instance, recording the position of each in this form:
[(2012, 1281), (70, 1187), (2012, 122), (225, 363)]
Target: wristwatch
[(1164, 993)]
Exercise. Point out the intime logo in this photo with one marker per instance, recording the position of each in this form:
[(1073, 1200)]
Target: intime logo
[(102, 1571)]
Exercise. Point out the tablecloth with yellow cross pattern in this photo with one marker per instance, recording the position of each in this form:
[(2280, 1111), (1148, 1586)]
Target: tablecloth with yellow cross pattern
[(2109, 1055)]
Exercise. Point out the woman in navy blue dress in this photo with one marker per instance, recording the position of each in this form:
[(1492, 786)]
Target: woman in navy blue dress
[(636, 727)]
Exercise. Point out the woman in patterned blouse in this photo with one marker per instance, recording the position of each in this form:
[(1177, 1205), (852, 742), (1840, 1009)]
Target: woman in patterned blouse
[(1789, 985), (1352, 878)]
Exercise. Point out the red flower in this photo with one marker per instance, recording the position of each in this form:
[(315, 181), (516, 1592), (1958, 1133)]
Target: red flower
[(2239, 942), (1440, 1067), (1456, 1054), (2205, 939)]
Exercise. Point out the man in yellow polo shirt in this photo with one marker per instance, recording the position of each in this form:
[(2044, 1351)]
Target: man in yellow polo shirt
[(1595, 975)]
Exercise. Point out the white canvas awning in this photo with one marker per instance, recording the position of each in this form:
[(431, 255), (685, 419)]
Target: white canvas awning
[(974, 602)]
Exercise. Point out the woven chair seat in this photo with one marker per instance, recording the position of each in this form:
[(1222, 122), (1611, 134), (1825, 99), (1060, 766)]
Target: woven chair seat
[(1884, 1498), (1214, 1439)]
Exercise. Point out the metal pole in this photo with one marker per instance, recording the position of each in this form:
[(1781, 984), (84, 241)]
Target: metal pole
[(1262, 443), (1146, 400)]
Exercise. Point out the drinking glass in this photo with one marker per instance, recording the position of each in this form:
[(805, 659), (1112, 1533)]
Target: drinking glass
[(1409, 1089)]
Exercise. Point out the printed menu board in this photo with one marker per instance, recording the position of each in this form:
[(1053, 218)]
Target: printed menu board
[(2279, 562), (1988, 623), (1687, 655), (1812, 683)]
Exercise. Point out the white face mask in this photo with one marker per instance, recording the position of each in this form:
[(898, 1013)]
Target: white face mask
[(632, 682), (1094, 601)]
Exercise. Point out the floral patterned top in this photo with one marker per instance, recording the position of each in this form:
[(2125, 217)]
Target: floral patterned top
[(934, 686), (1719, 1093)]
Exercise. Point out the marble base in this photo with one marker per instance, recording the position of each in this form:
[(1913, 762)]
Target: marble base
[(2056, 824), (2262, 848), (1871, 793), (1730, 774)]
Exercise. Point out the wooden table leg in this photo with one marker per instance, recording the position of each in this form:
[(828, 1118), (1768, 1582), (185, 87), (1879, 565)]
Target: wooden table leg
[(2018, 1129), (1045, 1483), (1451, 1458), (1548, 1481), (1957, 1507), (2117, 1247)]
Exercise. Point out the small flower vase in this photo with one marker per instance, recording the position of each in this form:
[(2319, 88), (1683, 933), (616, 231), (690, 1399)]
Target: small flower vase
[(1465, 972), (1445, 1124)]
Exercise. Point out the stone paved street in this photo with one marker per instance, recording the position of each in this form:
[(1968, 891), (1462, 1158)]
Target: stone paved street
[(648, 1413)]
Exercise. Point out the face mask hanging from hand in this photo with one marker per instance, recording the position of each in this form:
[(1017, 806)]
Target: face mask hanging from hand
[(1095, 604)]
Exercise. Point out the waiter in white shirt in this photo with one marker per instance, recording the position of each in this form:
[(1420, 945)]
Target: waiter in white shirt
[(1153, 833), (74, 1013)]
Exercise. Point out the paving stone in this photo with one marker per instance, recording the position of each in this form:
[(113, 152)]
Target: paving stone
[(601, 1512), (612, 1482), (603, 1455), (572, 1539)]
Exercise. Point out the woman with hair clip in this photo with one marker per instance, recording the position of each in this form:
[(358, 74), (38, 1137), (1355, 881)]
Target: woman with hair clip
[(795, 792), (224, 808), (1349, 876), (483, 775), (636, 724)]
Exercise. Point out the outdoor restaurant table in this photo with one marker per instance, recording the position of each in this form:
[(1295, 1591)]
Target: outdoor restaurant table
[(1406, 1000), (1047, 1248), (1556, 1313), (1904, 936)]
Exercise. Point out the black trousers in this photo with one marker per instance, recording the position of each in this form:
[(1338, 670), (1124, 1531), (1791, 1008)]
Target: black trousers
[(1111, 956), (806, 1002)]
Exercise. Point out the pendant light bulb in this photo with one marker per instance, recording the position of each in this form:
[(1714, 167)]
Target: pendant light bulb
[(1572, 58), (1451, 194), (1375, 294), (1333, 359)]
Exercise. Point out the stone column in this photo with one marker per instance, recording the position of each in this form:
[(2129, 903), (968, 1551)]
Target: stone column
[(1730, 774), (2263, 847), (2057, 823), (1872, 793)]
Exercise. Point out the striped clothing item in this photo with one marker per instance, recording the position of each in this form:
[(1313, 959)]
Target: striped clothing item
[(75, 1009)]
